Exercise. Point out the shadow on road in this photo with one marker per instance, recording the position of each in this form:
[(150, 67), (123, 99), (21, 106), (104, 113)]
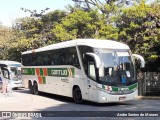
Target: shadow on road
[(70, 100), (21, 90)]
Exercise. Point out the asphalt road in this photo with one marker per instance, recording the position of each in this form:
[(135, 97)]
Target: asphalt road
[(22, 101)]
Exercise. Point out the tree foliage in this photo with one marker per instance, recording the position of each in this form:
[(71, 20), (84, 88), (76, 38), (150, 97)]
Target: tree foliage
[(105, 6), (137, 25), (36, 32), (81, 24), (6, 41)]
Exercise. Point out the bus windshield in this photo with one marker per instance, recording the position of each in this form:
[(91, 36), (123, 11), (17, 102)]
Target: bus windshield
[(15, 73), (118, 68)]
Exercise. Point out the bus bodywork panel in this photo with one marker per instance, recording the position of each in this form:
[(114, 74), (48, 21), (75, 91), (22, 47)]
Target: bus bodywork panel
[(64, 79)]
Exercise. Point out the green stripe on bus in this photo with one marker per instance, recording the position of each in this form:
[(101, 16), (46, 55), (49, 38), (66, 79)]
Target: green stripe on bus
[(116, 89), (44, 80), (41, 71), (28, 71), (58, 72), (103, 87), (131, 87)]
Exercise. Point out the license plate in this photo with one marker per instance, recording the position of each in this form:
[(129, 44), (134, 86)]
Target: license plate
[(122, 98)]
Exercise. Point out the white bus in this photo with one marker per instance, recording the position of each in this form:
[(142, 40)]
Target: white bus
[(14, 69), (86, 69), (4, 79)]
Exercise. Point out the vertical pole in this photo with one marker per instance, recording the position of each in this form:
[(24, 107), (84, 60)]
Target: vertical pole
[(145, 83)]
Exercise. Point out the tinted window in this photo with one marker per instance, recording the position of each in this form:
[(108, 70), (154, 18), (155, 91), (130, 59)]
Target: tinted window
[(83, 50), (64, 56), (72, 57)]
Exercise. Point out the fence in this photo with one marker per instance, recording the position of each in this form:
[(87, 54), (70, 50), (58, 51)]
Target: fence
[(149, 84)]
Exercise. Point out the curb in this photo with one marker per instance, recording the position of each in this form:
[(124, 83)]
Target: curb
[(148, 97)]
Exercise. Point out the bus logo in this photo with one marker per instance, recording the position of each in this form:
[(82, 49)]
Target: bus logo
[(61, 72), (123, 89)]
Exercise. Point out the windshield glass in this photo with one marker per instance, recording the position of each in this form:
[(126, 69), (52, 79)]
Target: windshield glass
[(117, 67), (15, 74)]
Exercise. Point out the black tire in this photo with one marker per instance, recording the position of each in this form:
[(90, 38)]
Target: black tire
[(30, 87), (16, 88), (35, 89), (77, 95)]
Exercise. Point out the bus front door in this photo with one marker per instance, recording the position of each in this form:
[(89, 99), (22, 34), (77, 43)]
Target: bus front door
[(91, 81)]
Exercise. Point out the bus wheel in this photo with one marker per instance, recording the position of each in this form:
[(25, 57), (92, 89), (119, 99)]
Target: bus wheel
[(77, 95), (30, 87), (35, 88)]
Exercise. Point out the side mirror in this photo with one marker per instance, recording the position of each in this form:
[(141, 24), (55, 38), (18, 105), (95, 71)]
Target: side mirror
[(141, 59), (98, 63), (96, 58)]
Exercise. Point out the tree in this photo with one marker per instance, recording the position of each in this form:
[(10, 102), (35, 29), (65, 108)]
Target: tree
[(36, 32), (7, 38), (139, 27), (49, 21), (105, 6), (81, 24)]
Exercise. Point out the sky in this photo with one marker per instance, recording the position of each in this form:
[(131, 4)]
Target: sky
[(10, 9)]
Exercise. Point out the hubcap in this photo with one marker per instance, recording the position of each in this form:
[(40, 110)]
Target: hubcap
[(78, 95)]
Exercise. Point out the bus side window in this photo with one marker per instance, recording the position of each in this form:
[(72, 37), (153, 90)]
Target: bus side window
[(5, 73), (72, 57), (83, 50), (76, 61)]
